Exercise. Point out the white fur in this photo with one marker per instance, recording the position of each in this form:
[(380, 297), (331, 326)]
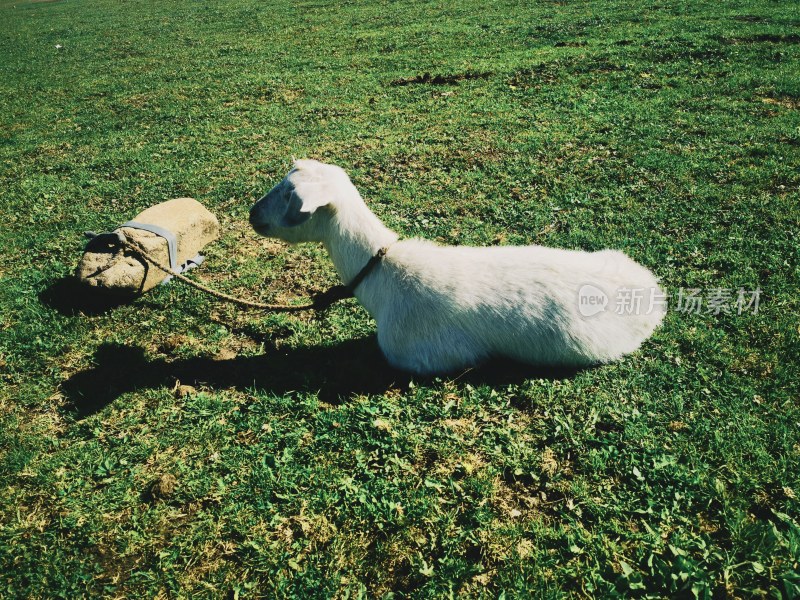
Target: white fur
[(443, 308)]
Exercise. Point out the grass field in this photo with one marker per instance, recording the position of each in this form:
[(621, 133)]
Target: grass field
[(300, 465)]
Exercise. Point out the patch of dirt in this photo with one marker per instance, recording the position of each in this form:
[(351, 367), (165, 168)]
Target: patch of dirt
[(225, 354), (784, 102), (315, 529), (549, 462), (751, 19), (161, 488), (428, 79), (763, 38), (138, 100), (516, 500), (174, 342), (462, 426), (184, 391)]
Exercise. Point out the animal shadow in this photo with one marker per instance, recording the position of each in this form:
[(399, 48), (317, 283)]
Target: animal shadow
[(334, 372), (352, 367)]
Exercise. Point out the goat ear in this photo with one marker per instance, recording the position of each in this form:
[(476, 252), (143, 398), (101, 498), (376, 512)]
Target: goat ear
[(302, 205), (305, 164)]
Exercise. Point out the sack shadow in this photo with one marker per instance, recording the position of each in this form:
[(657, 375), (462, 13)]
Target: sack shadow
[(335, 373), (70, 297)]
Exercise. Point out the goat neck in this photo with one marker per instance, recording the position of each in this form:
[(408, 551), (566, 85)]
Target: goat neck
[(354, 236)]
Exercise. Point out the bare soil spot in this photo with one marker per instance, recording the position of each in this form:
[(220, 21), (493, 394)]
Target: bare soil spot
[(784, 102), (428, 79)]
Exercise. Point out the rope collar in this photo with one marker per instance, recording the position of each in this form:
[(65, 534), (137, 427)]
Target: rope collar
[(340, 292), (367, 269)]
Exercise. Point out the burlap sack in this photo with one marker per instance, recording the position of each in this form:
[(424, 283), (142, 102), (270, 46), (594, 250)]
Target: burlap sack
[(108, 266)]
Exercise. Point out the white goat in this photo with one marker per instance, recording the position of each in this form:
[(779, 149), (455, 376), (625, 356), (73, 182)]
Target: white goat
[(443, 308)]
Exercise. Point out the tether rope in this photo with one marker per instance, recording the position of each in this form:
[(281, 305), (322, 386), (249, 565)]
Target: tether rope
[(320, 301)]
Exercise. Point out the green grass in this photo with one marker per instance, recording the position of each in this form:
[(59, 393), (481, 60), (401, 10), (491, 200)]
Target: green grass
[(303, 466)]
